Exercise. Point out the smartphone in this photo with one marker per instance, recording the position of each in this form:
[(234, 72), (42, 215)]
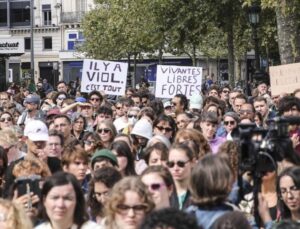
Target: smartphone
[(28, 184)]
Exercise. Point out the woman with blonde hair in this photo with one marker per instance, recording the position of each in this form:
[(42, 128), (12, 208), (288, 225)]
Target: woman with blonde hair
[(33, 169), (13, 216), (195, 140), (129, 203), (9, 141), (6, 120)]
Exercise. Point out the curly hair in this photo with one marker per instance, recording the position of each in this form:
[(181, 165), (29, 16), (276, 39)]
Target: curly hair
[(118, 197), (15, 215), (31, 166), (229, 150), (195, 140)]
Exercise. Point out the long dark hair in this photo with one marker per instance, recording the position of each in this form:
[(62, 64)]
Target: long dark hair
[(60, 179), (294, 173), (168, 119), (108, 176), (122, 149)]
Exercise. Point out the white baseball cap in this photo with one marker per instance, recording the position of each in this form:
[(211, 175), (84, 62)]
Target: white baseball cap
[(36, 130)]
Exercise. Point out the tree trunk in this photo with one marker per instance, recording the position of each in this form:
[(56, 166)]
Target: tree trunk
[(134, 69), (287, 15), (194, 55), (230, 54)]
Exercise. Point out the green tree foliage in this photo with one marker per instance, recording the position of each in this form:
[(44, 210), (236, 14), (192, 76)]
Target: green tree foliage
[(287, 28), (216, 28)]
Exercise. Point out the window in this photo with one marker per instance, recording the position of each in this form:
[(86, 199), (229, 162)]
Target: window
[(47, 43), (47, 17), (20, 13), (27, 42), (3, 14), (81, 5), (71, 40), (74, 40)]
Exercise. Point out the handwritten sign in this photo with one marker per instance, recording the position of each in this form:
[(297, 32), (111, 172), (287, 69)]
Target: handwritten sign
[(284, 78), (106, 76), (172, 80)]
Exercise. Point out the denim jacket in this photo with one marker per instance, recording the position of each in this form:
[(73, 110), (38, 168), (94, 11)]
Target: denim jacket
[(207, 217)]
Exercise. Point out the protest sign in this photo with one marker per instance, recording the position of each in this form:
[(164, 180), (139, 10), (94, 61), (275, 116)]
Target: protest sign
[(284, 78), (172, 80), (106, 76)]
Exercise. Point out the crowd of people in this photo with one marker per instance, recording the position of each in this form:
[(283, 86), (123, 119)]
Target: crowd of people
[(78, 161)]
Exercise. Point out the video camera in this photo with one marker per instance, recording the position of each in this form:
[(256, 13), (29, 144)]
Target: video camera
[(260, 150)]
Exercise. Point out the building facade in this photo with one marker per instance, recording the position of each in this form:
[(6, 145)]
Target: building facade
[(55, 30)]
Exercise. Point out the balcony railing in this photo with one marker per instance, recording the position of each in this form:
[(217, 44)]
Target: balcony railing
[(72, 17)]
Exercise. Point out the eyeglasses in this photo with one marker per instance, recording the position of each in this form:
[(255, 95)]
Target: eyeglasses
[(138, 209), (167, 129), (105, 131), (132, 116), (292, 190), (61, 98), (225, 91), (95, 99), (9, 119), (180, 164), (87, 142), (226, 123), (156, 186)]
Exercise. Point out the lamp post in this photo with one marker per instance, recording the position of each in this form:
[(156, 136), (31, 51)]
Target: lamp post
[(253, 16), (31, 8), (31, 38)]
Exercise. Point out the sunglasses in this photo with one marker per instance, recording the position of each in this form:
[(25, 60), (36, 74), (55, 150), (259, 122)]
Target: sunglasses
[(87, 142), (156, 186), (180, 164), (225, 91), (138, 209), (132, 116), (61, 98), (226, 123), (9, 119), (105, 130), (94, 99), (167, 129)]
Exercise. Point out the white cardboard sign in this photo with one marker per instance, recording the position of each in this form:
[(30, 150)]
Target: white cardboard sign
[(172, 80), (285, 78), (107, 76)]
